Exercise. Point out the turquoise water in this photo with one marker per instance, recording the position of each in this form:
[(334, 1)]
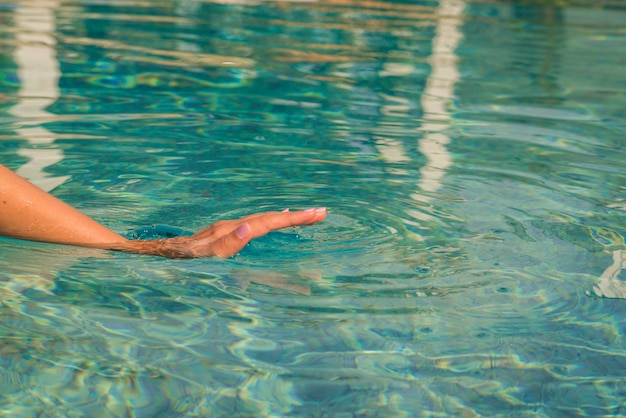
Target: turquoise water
[(472, 158)]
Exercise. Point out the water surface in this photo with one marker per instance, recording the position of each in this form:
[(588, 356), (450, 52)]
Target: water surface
[(471, 156)]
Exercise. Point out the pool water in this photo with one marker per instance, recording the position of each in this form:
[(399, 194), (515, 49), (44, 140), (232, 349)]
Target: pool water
[(472, 157)]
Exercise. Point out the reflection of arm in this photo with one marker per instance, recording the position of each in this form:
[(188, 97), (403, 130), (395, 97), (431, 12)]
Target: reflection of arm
[(29, 213)]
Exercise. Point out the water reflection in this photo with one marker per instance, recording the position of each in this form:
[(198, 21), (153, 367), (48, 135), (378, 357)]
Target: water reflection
[(610, 285), (438, 95), (38, 72)]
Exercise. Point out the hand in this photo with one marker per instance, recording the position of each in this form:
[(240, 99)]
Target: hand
[(223, 238)]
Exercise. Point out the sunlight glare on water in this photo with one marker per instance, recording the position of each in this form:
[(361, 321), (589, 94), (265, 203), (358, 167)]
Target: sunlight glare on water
[(471, 155)]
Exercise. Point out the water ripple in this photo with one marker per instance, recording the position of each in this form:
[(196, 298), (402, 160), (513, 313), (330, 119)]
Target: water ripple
[(474, 182)]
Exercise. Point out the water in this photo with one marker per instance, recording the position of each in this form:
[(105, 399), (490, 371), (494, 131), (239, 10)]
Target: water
[(471, 156)]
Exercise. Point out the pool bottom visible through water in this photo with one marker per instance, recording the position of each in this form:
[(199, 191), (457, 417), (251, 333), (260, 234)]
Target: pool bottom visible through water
[(471, 158)]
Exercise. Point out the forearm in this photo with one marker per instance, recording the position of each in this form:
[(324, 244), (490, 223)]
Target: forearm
[(27, 212)]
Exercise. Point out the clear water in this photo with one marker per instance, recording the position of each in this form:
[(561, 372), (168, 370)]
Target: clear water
[(472, 157)]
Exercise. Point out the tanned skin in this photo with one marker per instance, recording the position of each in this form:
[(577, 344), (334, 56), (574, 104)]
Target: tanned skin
[(29, 213)]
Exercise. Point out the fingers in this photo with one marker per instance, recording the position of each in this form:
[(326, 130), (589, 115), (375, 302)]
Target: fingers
[(229, 237), (262, 223), (230, 244)]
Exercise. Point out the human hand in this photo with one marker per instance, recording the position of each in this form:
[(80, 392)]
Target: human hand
[(223, 238)]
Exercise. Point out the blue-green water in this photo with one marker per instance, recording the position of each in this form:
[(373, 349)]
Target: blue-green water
[(472, 157)]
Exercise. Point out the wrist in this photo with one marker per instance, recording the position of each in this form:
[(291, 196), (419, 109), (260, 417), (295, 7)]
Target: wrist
[(177, 247)]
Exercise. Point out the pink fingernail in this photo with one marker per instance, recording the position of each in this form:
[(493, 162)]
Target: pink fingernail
[(243, 231), (286, 210), (320, 210), (310, 210)]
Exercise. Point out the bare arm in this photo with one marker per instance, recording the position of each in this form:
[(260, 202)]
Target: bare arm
[(29, 213)]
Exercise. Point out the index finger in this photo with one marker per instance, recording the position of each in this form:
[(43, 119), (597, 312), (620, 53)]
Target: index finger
[(263, 223)]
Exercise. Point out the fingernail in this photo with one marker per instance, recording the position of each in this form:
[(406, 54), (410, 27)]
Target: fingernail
[(286, 210), (310, 210), (320, 210), (243, 231)]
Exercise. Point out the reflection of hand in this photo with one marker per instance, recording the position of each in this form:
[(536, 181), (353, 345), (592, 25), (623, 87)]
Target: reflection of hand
[(223, 238), (294, 281)]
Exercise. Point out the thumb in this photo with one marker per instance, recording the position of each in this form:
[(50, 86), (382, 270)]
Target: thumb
[(233, 242)]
